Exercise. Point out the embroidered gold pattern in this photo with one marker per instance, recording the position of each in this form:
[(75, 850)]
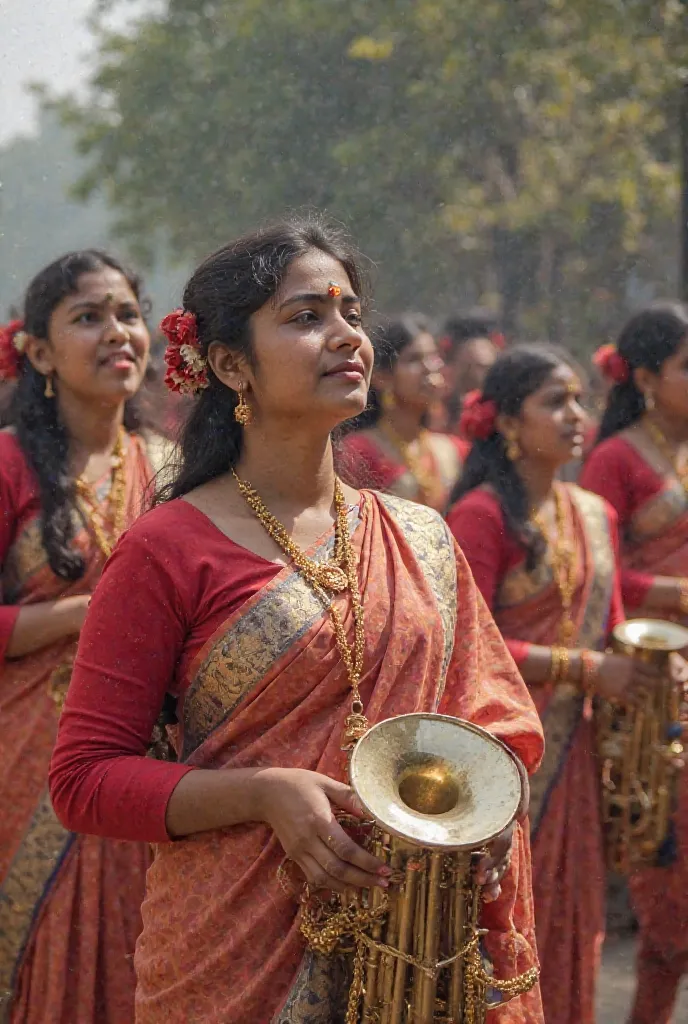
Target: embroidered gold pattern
[(26, 885), (563, 713)]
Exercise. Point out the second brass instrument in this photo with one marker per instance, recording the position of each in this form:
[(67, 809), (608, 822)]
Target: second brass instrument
[(438, 789), (637, 747)]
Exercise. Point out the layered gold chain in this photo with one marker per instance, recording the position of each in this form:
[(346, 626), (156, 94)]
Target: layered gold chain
[(661, 442), (334, 576), (429, 481), (116, 501), (562, 557)]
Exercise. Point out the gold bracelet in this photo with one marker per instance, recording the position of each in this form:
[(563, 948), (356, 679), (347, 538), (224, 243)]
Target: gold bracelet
[(560, 664), (589, 673), (683, 597)]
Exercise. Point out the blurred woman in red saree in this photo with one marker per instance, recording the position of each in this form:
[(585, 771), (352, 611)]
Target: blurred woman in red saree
[(544, 555), (274, 639), (397, 453), (72, 477), (641, 467)]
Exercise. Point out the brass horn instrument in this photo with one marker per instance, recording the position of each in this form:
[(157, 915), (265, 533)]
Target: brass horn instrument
[(636, 747), (438, 789)]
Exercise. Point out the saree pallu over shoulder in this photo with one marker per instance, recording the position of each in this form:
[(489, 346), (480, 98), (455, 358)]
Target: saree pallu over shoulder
[(538, 613), (269, 689)]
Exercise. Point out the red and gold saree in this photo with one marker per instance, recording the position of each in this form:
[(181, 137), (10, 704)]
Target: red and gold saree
[(567, 851), (655, 543), (69, 905), (370, 459), (264, 685)]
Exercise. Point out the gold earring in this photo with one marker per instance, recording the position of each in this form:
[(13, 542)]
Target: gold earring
[(513, 448), (649, 401), (49, 391), (388, 401), (242, 411)]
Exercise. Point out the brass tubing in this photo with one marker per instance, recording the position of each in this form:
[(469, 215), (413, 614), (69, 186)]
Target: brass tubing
[(419, 945), (406, 922), (432, 938), (462, 867), (385, 981)]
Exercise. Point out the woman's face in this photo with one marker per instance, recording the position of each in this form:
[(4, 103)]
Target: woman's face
[(416, 379), (669, 387), (550, 426), (312, 360), (98, 343)]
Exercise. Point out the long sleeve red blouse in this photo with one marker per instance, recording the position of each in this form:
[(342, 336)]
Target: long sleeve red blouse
[(172, 581), (616, 471), (477, 522)]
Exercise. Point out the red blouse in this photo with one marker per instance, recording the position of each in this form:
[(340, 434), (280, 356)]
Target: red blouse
[(176, 578), (616, 471), (477, 522), (19, 504)]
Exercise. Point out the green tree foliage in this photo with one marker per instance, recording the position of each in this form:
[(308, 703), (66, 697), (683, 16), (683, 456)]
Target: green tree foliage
[(521, 153)]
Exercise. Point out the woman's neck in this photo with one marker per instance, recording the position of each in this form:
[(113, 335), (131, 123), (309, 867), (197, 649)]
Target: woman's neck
[(92, 427), (674, 430), (407, 423), (538, 480), (288, 468)]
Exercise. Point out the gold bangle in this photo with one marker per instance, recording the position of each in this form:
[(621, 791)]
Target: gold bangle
[(683, 597), (589, 673), (560, 664)]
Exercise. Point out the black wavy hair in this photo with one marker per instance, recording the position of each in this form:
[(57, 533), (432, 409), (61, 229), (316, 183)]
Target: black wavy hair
[(647, 340), (41, 435), (460, 328), (514, 377), (223, 293)]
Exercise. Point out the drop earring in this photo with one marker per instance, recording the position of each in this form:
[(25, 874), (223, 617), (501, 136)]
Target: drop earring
[(388, 401), (242, 411), (649, 401), (49, 391), (513, 448)]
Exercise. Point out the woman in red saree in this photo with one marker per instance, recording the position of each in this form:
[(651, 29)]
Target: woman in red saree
[(71, 477), (544, 555), (397, 454), (265, 665), (640, 466)]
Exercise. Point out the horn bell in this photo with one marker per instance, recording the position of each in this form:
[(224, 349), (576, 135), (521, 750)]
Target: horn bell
[(436, 781)]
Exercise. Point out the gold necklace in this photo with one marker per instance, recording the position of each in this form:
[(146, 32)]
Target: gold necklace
[(562, 557), (116, 501), (429, 482), (336, 575), (660, 441)]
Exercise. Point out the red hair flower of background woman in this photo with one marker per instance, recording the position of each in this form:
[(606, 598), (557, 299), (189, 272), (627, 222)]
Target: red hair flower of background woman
[(478, 417), (12, 340), (612, 365), (187, 368)]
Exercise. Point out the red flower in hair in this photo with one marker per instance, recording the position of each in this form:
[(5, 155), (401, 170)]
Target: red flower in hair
[(498, 340), (187, 367), (11, 349), (612, 365), (478, 417)]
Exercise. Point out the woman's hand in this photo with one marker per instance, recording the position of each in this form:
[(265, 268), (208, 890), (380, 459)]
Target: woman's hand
[(297, 805), (39, 625), (620, 677), (491, 868)]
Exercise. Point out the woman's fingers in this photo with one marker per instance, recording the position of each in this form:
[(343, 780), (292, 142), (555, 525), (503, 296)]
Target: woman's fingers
[(342, 846), (344, 871)]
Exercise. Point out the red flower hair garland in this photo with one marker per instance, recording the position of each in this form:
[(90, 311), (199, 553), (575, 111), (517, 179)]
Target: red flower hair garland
[(612, 365), (478, 417), (187, 367), (12, 342)]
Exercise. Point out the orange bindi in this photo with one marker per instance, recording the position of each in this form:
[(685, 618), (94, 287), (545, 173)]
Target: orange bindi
[(333, 290)]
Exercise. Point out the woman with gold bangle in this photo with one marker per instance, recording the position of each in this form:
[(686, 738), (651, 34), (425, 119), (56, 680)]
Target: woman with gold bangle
[(544, 555), (73, 472), (397, 453), (284, 610), (640, 466)]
